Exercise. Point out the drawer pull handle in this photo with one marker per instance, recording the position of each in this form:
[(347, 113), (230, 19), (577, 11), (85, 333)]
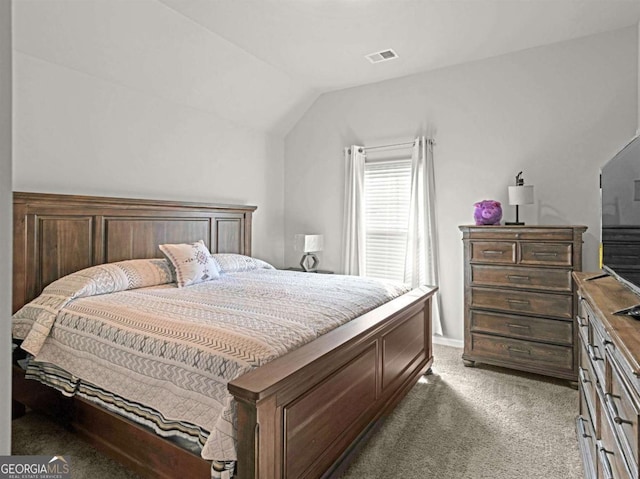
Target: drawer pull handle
[(518, 350), (518, 301), (518, 326), (517, 277), (583, 376), (592, 353), (606, 465), (583, 431), (492, 251), (613, 410), (545, 254), (581, 323)]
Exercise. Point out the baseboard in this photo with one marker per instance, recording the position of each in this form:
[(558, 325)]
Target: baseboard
[(444, 341)]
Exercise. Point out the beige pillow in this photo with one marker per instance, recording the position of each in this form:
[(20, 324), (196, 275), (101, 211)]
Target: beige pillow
[(192, 262)]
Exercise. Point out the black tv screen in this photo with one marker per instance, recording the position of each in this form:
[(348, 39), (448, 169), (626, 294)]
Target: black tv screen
[(620, 218)]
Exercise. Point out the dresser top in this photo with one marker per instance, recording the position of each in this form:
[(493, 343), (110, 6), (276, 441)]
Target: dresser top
[(537, 232), (522, 227), (607, 295)]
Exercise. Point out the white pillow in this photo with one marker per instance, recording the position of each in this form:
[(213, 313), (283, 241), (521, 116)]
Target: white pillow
[(234, 263), (192, 262)]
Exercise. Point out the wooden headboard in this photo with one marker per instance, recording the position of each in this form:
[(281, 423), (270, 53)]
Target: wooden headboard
[(55, 235)]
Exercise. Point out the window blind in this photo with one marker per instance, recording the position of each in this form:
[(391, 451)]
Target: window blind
[(387, 189)]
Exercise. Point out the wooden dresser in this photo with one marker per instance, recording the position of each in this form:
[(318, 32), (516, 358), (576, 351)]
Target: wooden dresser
[(607, 423), (520, 299)]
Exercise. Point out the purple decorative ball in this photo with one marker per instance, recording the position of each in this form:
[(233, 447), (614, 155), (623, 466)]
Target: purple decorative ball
[(487, 212)]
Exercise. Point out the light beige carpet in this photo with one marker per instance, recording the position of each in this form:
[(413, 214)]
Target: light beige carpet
[(473, 423), (458, 423)]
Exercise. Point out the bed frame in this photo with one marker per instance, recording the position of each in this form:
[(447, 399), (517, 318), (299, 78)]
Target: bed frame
[(302, 415)]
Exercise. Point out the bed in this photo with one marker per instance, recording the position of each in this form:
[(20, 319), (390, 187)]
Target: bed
[(301, 415)]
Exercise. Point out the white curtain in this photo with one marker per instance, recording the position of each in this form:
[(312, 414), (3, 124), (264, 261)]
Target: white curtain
[(421, 262), (354, 228)]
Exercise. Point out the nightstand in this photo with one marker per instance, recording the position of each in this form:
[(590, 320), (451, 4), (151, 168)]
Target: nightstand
[(320, 271)]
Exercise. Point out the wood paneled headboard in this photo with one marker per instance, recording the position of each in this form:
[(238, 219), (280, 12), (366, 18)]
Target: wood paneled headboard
[(55, 235)]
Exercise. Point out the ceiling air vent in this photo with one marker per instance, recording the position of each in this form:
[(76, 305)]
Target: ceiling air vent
[(382, 56)]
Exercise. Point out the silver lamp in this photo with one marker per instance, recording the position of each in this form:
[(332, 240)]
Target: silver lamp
[(309, 244), (520, 194)]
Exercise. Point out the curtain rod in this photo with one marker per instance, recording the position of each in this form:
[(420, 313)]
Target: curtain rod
[(408, 143)]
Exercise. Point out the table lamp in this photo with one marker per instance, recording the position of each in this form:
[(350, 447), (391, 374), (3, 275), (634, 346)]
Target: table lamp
[(520, 194), (309, 244)]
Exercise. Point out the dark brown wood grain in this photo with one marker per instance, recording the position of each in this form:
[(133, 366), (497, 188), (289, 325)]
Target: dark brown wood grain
[(58, 234), (298, 416), (519, 299), (320, 370)]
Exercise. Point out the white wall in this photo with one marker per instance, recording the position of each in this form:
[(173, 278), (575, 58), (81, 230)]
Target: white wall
[(5, 227), (133, 99), (556, 112)]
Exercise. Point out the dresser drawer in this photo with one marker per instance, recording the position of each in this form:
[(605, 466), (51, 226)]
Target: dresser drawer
[(611, 463), (588, 380), (552, 254), (587, 443), (520, 277), (624, 414), (554, 305), (516, 351), (493, 252), (522, 327), (597, 352), (583, 320)]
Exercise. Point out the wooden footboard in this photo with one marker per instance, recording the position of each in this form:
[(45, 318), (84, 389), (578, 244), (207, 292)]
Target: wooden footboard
[(299, 415)]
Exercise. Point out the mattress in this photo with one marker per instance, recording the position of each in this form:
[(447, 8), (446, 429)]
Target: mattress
[(164, 355)]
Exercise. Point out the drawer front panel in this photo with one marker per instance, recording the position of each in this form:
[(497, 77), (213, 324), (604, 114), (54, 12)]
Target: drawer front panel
[(546, 254), (624, 414), (610, 459), (518, 277), (536, 329), (502, 252), (588, 379), (582, 321), (555, 305), (587, 442), (522, 352), (596, 351)]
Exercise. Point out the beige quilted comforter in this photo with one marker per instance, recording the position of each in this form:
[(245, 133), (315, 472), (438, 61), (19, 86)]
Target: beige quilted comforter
[(128, 329)]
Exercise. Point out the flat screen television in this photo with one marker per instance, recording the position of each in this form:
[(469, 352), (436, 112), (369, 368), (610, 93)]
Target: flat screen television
[(620, 216)]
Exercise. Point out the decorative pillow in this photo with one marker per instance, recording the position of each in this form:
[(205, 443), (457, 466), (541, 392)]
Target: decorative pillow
[(234, 263), (192, 263)]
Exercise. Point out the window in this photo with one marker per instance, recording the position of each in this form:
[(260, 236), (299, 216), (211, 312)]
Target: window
[(387, 191)]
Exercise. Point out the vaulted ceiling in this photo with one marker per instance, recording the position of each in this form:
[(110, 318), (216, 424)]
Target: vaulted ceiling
[(261, 63)]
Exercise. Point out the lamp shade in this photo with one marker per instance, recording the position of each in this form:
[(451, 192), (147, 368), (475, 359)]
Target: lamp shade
[(309, 243), (521, 195)]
